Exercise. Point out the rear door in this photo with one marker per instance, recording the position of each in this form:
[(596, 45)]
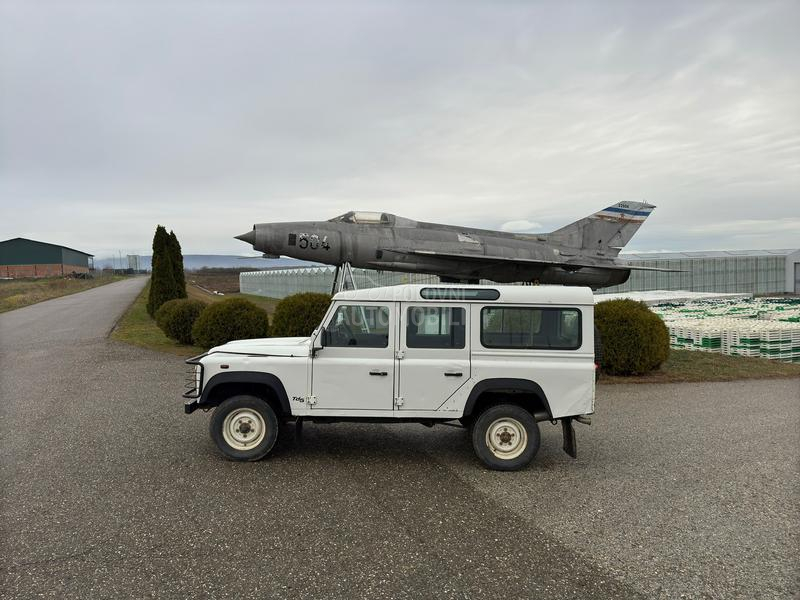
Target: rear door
[(434, 345)]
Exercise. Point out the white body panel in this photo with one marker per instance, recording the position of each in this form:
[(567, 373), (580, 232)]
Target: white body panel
[(348, 381)]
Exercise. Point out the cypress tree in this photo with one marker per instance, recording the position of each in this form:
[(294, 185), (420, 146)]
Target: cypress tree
[(177, 264), (162, 281)]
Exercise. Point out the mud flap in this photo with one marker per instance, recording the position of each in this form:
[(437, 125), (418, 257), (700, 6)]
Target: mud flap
[(570, 445)]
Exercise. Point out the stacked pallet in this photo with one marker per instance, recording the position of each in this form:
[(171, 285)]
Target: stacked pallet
[(694, 334), (790, 315), (776, 340), (777, 309)]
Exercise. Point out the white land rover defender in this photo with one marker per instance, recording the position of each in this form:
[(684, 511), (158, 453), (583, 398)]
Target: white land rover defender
[(497, 359)]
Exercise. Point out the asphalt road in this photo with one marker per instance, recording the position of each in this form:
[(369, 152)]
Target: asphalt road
[(108, 490)]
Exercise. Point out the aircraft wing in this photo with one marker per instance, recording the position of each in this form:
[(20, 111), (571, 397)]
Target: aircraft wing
[(533, 261)]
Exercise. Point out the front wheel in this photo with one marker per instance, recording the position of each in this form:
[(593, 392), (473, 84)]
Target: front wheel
[(244, 428), (505, 437)]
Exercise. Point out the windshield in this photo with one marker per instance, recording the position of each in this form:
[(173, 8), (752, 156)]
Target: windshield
[(362, 217)]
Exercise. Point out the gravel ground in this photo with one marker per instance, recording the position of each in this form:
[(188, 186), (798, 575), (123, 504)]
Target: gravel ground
[(108, 490)]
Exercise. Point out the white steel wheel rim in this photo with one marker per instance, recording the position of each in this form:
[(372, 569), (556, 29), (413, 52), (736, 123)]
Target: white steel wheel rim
[(243, 429), (506, 438)]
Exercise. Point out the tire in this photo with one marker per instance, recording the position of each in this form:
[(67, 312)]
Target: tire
[(505, 437), (244, 427)]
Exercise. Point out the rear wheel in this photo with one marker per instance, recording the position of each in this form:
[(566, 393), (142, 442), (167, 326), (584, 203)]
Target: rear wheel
[(244, 428), (505, 437)]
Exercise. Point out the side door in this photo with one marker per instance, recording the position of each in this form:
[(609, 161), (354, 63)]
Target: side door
[(355, 368), (434, 345)]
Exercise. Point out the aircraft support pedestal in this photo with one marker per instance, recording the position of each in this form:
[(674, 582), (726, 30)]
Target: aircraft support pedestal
[(343, 279)]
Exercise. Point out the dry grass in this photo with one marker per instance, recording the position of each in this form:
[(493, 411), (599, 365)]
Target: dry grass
[(217, 280), (688, 366), (201, 285), (16, 293), (268, 304)]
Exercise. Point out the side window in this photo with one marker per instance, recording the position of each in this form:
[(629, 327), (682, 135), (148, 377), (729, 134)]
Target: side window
[(540, 328), (436, 327), (363, 325), (569, 327)]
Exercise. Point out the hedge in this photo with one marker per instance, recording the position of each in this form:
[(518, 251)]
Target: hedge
[(298, 315), (227, 320), (635, 339), (177, 317)]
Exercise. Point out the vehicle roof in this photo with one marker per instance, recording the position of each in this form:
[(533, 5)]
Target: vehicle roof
[(513, 294)]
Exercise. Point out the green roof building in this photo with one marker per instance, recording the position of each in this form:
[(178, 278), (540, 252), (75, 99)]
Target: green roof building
[(21, 257)]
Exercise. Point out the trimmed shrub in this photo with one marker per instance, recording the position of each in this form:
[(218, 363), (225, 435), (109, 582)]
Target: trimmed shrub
[(298, 315), (164, 312), (635, 339), (227, 320), (177, 317)]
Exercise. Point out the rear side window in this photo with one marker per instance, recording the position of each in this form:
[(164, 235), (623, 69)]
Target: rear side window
[(436, 327), (538, 328)]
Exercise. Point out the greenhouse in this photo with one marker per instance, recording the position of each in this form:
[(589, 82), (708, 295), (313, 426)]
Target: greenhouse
[(279, 283), (729, 271), (743, 271)]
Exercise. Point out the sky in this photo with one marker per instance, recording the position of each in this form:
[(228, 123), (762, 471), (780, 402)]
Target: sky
[(208, 117)]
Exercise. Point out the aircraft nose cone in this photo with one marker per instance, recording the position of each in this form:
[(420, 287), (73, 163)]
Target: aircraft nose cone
[(249, 237)]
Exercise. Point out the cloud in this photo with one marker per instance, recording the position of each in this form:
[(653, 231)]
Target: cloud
[(750, 227), (521, 226), (209, 117)]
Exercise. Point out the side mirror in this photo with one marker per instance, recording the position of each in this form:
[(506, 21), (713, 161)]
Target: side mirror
[(319, 341)]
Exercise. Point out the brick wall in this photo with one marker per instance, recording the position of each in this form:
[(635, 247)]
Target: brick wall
[(17, 271)]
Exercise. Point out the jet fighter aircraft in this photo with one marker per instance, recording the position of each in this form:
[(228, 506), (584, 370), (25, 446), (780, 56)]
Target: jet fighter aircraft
[(581, 253)]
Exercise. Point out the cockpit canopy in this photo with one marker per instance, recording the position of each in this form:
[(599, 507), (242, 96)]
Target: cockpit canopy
[(365, 218)]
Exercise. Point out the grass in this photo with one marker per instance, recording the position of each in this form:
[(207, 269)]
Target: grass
[(693, 366), (137, 328), (16, 293)]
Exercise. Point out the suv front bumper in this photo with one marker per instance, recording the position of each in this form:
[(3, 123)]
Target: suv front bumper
[(194, 376), (194, 383)]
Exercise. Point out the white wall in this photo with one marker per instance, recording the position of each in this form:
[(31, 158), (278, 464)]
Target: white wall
[(791, 260)]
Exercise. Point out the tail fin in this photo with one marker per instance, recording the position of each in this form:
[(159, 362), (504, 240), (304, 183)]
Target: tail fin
[(606, 232)]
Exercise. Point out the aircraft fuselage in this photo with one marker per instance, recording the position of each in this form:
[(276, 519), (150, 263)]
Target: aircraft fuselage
[(402, 247)]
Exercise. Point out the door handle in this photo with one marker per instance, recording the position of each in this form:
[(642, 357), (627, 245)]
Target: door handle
[(379, 373), (453, 373)]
